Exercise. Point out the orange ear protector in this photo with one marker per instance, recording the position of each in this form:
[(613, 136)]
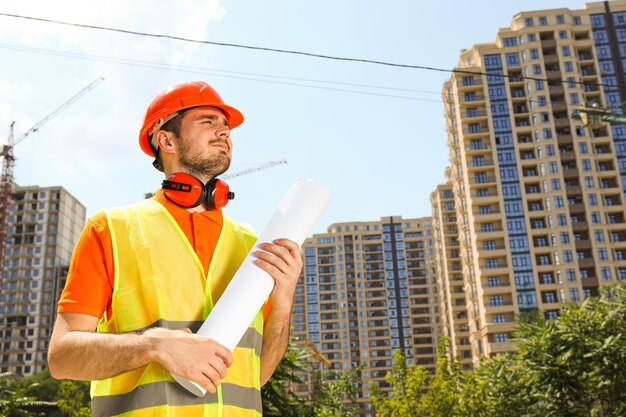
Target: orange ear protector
[(187, 191)]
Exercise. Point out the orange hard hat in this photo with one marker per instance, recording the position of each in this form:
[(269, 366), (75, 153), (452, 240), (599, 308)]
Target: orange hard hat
[(180, 97)]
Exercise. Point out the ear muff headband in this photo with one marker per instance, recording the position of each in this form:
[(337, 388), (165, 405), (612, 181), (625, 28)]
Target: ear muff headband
[(188, 191)]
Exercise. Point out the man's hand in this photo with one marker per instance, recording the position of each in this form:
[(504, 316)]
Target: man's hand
[(77, 352), (283, 261), (197, 358)]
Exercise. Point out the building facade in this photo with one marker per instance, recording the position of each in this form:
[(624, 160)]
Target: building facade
[(538, 196), (366, 290), (44, 225), (449, 271)]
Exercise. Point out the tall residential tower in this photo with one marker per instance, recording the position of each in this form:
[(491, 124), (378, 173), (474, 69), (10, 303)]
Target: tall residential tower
[(44, 225), (368, 289), (539, 198)]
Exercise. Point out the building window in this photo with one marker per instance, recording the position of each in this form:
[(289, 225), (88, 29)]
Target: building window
[(577, 20), (509, 42), (543, 20), (494, 282), (496, 300), (595, 217), (501, 337), (567, 256), (597, 21), (550, 297), (498, 318), (529, 21), (560, 19), (571, 275)]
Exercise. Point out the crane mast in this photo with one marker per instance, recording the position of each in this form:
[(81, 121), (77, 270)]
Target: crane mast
[(8, 165)]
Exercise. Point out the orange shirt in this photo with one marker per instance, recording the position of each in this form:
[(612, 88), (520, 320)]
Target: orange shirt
[(90, 279)]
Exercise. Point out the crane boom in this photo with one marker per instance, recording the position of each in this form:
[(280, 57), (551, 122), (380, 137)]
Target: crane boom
[(8, 164), (255, 169), (58, 110)]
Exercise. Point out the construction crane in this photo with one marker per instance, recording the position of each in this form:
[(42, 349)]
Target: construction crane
[(254, 169), (595, 117), (8, 164), (310, 346)]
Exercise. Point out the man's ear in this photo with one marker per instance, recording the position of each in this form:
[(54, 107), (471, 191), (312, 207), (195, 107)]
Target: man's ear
[(165, 141)]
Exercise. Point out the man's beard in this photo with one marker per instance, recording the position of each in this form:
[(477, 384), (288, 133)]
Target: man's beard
[(201, 168)]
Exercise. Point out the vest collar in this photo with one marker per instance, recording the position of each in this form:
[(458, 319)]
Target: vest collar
[(215, 216)]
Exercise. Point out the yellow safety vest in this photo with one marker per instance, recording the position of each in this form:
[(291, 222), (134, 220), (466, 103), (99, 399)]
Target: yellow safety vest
[(160, 282)]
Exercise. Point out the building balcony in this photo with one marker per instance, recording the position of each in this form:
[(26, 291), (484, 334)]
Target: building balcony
[(573, 190), (583, 244), (476, 114), (487, 290), (586, 263), (506, 307), (556, 90), (580, 226), (469, 84), (567, 156), (477, 149), (562, 123), (551, 59), (556, 74), (577, 208), (487, 162), (489, 179)]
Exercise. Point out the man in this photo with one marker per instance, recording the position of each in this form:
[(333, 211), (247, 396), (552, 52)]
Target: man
[(143, 275)]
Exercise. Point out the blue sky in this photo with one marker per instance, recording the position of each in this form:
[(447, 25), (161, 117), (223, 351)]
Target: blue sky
[(373, 134)]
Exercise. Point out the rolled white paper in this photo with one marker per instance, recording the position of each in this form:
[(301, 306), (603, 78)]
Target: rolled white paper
[(294, 218)]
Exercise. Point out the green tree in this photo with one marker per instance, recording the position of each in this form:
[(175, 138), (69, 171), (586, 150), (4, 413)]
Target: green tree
[(278, 399), (576, 362), (499, 387), (74, 400), (72, 397), (408, 389), (334, 394), (442, 398), (43, 386), (15, 403)]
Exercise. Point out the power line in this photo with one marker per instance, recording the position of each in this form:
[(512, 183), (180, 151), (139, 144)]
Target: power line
[(309, 54), (215, 72), (170, 66)]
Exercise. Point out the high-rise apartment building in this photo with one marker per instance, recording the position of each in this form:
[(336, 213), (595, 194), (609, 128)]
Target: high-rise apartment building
[(44, 225), (539, 198), (366, 290), (449, 271)]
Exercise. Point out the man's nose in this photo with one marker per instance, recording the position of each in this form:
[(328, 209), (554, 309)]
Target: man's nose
[(224, 131)]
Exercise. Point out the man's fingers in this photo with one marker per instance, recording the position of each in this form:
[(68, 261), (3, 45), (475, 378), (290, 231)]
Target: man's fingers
[(225, 355), (271, 263), (284, 249), (213, 376), (293, 247)]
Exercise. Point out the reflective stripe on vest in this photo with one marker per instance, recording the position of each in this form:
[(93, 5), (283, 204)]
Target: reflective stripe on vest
[(160, 282)]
